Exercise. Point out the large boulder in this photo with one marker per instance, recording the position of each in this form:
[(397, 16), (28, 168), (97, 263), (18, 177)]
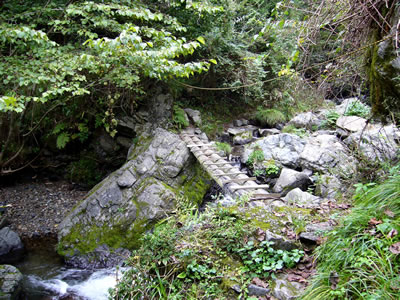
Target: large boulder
[(10, 279), (300, 198), (327, 154), (159, 171), (377, 142), (284, 148), (11, 247)]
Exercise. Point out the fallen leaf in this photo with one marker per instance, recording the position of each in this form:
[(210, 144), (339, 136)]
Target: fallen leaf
[(297, 278), (389, 213), (260, 234), (374, 222), (392, 233), (395, 248), (257, 281)]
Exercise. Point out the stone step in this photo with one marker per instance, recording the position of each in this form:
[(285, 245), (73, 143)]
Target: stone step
[(238, 180), (250, 187), (230, 174)]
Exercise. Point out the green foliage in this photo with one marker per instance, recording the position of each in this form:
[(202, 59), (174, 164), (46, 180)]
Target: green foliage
[(257, 156), (200, 256), (330, 119), (226, 148), (271, 168), (269, 117), (356, 108), (263, 258), (362, 251), (179, 117)]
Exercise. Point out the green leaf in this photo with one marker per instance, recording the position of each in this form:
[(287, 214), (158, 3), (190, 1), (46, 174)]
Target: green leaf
[(181, 275), (62, 140), (213, 61), (201, 40)]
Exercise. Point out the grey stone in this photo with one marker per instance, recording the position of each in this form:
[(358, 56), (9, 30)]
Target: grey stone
[(351, 123), (107, 143), (315, 231), (280, 242), (237, 123), (285, 290), (245, 122), (297, 196), (328, 186), (126, 126), (194, 116), (255, 290), (242, 135), (127, 179), (124, 142), (346, 103), (10, 280), (284, 148), (377, 142), (268, 131), (290, 179), (11, 247), (327, 154), (130, 200), (305, 120)]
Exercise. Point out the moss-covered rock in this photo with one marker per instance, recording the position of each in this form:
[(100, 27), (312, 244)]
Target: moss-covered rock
[(115, 213)]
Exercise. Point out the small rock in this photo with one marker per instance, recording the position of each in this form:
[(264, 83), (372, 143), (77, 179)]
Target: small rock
[(236, 288), (286, 290), (127, 179), (255, 290), (280, 242), (268, 131), (305, 120), (237, 123)]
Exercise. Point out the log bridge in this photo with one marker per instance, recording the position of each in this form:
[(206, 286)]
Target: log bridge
[(228, 176)]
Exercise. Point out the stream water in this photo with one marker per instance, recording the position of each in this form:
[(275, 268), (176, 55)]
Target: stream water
[(46, 278)]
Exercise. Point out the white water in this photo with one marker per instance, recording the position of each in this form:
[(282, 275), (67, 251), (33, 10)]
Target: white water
[(73, 282)]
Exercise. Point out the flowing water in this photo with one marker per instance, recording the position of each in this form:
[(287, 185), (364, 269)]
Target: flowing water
[(46, 278)]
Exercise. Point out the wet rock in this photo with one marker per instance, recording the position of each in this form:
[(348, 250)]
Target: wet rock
[(305, 120), (290, 179), (377, 142), (255, 290), (11, 247), (194, 116), (284, 148), (126, 126), (100, 258), (10, 280), (297, 196)]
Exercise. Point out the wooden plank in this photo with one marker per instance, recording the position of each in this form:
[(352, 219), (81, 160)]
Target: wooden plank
[(270, 195), (230, 174), (238, 180), (199, 145), (250, 187)]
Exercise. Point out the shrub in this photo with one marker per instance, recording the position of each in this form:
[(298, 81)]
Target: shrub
[(330, 119), (356, 108), (179, 117), (301, 132), (257, 156), (269, 117)]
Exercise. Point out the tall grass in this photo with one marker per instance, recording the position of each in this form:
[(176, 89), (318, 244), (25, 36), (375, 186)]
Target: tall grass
[(356, 261)]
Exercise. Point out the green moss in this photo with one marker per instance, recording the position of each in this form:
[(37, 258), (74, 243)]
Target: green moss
[(195, 187)]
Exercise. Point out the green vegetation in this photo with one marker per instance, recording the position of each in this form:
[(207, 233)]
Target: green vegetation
[(356, 108), (226, 148), (330, 119), (179, 118), (255, 157), (269, 117), (201, 256), (301, 132), (360, 260)]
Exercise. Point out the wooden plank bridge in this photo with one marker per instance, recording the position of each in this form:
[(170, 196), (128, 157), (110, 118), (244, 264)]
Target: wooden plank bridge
[(225, 173)]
